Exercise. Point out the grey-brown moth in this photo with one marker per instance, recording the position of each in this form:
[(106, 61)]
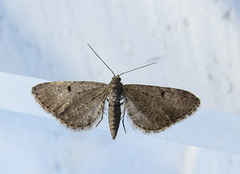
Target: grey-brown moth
[(80, 104)]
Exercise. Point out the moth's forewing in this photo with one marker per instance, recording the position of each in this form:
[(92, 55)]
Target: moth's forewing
[(78, 105), (153, 108)]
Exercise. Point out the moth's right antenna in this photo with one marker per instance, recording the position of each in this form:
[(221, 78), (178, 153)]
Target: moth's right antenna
[(137, 68), (101, 59)]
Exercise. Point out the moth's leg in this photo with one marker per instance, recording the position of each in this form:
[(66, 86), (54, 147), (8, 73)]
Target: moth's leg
[(101, 117), (122, 99), (100, 120), (104, 111), (124, 110)]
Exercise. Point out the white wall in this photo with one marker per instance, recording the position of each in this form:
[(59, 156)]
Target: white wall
[(195, 42)]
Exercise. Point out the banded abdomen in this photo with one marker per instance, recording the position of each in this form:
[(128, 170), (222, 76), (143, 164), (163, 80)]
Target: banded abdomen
[(114, 108)]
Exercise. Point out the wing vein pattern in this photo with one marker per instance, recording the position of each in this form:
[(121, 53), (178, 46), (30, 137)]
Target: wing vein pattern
[(78, 105), (153, 108)]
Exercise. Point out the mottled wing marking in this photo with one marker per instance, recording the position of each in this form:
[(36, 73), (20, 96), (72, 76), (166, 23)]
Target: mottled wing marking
[(78, 105), (153, 108)]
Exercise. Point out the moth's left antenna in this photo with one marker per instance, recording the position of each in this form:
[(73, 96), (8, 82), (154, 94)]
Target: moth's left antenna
[(101, 59)]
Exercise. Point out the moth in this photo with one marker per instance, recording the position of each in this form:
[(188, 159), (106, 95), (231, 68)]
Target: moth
[(80, 104)]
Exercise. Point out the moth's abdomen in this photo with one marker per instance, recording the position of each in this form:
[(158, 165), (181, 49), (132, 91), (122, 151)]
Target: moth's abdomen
[(114, 108), (114, 116)]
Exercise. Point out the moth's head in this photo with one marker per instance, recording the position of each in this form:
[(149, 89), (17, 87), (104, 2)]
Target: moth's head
[(116, 79)]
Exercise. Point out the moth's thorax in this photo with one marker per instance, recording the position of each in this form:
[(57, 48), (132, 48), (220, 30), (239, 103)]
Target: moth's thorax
[(116, 86)]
